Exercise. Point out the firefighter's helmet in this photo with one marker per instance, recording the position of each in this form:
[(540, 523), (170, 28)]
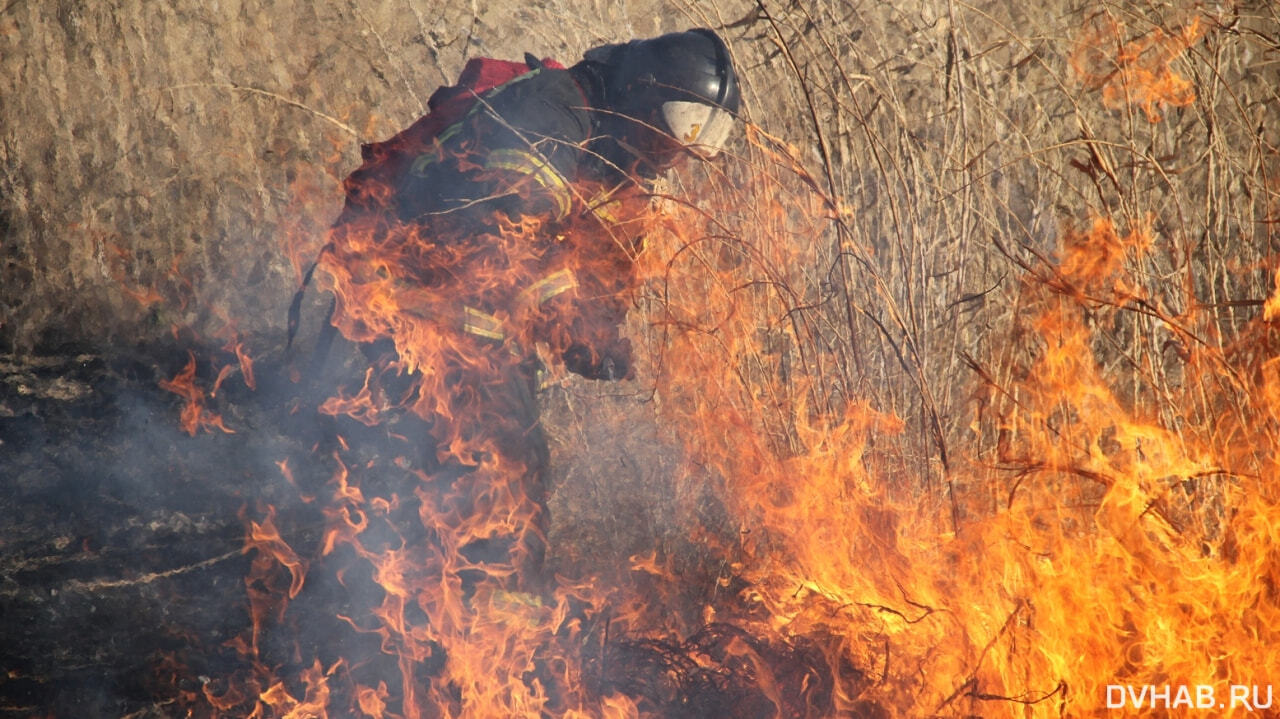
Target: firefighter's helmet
[(681, 85)]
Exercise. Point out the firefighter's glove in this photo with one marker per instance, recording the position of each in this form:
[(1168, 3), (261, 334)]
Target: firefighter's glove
[(613, 363)]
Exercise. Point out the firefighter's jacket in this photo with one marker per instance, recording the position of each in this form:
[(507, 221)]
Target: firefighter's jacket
[(531, 148)]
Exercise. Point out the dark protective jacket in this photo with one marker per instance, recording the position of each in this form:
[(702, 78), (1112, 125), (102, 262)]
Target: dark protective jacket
[(542, 128), (533, 146)]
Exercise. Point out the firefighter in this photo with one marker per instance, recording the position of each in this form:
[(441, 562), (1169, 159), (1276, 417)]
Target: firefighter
[(563, 155), (571, 146)]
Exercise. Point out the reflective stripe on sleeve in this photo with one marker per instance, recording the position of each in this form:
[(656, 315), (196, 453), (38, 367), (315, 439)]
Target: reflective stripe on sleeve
[(531, 164), (482, 324), (553, 284)]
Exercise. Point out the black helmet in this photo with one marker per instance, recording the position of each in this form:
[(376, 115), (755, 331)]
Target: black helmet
[(681, 84)]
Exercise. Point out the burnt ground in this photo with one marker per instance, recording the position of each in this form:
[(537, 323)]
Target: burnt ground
[(121, 533)]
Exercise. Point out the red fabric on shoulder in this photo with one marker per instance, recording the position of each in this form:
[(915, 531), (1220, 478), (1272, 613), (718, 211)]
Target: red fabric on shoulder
[(482, 74)]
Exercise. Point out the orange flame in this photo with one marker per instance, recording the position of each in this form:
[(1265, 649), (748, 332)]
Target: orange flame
[(1137, 71), (245, 362), (195, 416), (1271, 308), (464, 315)]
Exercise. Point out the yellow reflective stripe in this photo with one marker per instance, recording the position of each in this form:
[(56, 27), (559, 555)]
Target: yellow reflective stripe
[(603, 204), (451, 130), (420, 163), (482, 324), (529, 163), (556, 283), (426, 159), (419, 166), (603, 214)]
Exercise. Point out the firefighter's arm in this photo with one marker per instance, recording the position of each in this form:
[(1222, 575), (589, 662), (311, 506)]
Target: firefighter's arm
[(584, 326), (611, 362)]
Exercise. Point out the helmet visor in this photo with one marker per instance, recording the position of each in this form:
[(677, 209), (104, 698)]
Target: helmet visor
[(698, 126)]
